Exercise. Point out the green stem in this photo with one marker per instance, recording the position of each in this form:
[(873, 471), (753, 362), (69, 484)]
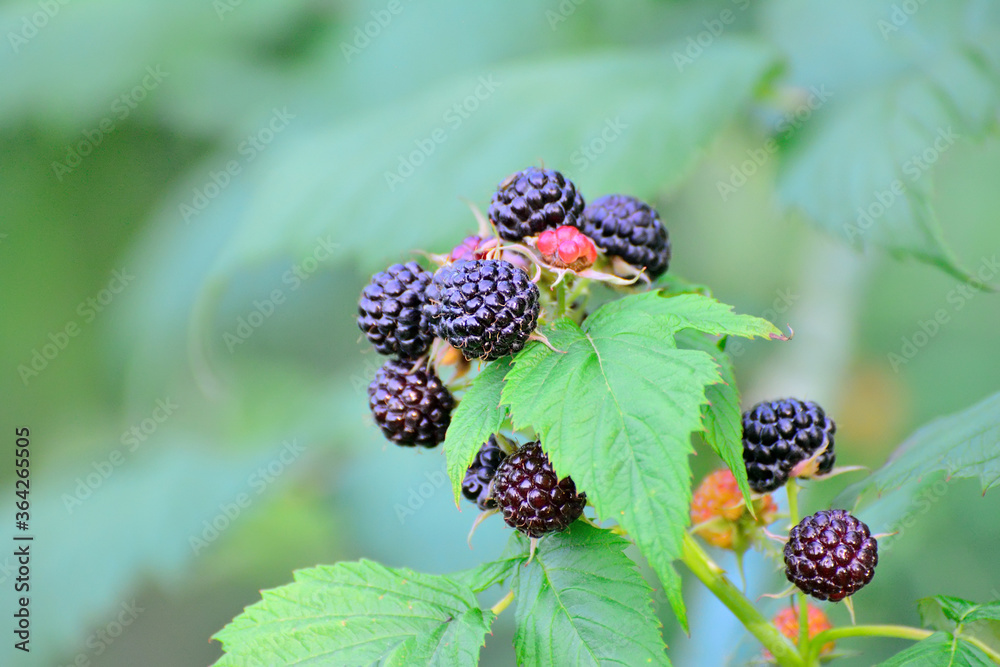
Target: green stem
[(897, 631), (561, 299), (793, 516), (716, 581), (504, 602)]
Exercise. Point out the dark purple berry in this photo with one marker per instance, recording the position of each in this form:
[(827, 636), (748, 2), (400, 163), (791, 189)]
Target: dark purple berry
[(532, 497), (830, 555), (411, 406), (777, 435), (531, 201), (390, 311)]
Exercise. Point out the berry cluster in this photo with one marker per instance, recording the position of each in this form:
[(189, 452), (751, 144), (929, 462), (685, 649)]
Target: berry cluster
[(484, 301)]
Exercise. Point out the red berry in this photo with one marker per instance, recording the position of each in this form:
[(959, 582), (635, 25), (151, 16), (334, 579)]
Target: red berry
[(469, 248), (567, 248)]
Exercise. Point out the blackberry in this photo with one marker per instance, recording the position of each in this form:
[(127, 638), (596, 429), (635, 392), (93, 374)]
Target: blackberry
[(476, 485), (830, 555), (534, 200), (486, 308), (628, 228), (390, 311), (411, 406), (532, 497), (778, 435)]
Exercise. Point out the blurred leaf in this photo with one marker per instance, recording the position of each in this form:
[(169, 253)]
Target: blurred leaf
[(964, 445), (410, 160), (940, 650), (858, 169), (359, 613), (477, 417), (581, 601), (126, 522)]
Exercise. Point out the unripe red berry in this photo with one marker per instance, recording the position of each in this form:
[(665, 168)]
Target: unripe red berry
[(567, 248)]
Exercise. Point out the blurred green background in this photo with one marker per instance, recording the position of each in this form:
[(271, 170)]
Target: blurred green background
[(192, 195)]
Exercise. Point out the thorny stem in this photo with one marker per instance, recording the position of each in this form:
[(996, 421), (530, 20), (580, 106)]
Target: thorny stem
[(504, 602), (716, 581)]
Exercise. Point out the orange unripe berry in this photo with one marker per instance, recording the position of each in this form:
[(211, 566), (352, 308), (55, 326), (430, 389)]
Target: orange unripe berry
[(718, 503), (787, 622)]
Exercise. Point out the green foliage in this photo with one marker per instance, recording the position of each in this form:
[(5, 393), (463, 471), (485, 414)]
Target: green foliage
[(581, 601), (721, 417), (859, 168), (478, 416), (963, 445), (940, 650), (359, 613), (951, 614), (615, 407)]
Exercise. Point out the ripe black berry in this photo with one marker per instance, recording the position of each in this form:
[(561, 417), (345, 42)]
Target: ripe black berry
[(390, 311), (411, 406), (830, 555), (777, 435), (534, 200), (485, 308), (476, 485), (628, 228), (532, 497)]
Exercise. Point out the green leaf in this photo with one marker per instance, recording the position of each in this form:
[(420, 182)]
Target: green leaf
[(359, 613), (964, 445), (697, 311), (478, 416), (957, 610), (615, 410), (943, 612), (581, 601), (721, 418), (860, 167), (940, 650)]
